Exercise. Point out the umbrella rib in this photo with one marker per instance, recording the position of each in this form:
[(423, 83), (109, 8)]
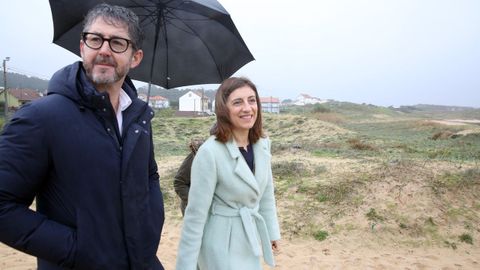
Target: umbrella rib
[(158, 25), (155, 16), (167, 79), (167, 18)]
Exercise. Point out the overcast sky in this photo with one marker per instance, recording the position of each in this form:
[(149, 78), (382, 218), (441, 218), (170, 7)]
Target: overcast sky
[(382, 52)]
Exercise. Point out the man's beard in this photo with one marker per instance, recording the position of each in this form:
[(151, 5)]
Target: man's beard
[(101, 77)]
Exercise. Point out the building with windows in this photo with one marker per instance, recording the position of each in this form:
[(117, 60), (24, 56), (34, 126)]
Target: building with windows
[(19, 96), (304, 99), (193, 101), (270, 104), (156, 102)]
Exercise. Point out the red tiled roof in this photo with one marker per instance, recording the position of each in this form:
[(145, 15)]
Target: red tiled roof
[(157, 98), (269, 100), (24, 94)]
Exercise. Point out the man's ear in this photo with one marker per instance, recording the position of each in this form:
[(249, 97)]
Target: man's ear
[(136, 58), (81, 48)]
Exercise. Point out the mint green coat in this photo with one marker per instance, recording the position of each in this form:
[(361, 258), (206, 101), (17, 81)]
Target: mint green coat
[(231, 214)]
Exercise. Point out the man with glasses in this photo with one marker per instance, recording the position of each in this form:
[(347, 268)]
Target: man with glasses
[(85, 154)]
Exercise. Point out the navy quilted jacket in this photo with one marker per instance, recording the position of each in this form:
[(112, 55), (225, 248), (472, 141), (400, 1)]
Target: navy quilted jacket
[(98, 199)]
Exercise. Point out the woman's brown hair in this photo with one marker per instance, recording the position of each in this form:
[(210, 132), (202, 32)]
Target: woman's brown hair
[(223, 130)]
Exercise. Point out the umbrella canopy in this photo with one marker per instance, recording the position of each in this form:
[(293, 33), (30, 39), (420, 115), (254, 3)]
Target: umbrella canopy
[(186, 42)]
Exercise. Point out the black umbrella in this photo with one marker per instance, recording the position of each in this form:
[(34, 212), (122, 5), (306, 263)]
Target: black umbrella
[(186, 42)]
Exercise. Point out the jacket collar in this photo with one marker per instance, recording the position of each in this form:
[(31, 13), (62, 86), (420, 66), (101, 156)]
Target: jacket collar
[(72, 82), (261, 159)]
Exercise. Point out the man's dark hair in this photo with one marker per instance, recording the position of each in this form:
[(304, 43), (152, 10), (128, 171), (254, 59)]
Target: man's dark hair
[(116, 15)]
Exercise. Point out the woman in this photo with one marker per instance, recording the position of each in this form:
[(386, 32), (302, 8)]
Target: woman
[(231, 216), (181, 181)]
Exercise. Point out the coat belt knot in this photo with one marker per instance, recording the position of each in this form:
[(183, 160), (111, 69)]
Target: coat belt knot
[(250, 219)]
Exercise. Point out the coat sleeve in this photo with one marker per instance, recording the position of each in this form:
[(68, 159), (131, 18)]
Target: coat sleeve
[(24, 165), (267, 207), (155, 193), (181, 181), (203, 182)]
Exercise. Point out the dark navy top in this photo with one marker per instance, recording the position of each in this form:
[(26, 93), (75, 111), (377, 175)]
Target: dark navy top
[(248, 155)]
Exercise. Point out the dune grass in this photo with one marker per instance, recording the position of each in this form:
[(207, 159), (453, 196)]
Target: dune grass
[(344, 168)]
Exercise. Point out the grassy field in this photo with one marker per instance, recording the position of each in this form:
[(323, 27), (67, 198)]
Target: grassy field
[(346, 170)]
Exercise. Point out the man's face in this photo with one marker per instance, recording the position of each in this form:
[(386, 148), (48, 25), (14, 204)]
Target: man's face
[(103, 66)]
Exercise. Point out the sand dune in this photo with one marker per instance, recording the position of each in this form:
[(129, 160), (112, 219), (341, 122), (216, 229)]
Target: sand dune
[(302, 254)]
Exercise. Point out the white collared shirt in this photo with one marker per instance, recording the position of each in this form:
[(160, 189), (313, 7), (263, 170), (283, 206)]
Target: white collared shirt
[(123, 102)]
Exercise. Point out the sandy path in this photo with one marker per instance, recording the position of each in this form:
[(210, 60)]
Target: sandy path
[(300, 254)]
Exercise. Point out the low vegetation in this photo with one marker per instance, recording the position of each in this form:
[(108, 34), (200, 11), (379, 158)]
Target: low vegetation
[(344, 168)]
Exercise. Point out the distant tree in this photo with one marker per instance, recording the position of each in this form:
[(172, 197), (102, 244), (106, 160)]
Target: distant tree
[(174, 104), (15, 80), (318, 108)]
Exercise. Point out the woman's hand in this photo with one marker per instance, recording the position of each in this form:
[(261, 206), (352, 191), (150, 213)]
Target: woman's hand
[(275, 247)]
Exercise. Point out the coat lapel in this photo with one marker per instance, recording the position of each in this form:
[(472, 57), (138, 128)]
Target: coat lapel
[(241, 168), (262, 158)]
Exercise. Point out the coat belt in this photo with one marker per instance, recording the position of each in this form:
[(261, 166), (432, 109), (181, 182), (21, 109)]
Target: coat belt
[(247, 215)]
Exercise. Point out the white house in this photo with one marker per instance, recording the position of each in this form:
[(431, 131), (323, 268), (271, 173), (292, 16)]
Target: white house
[(270, 104), (193, 101), (158, 102), (304, 99)]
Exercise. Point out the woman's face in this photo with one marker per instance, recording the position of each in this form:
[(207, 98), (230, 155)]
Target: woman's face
[(242, 107)]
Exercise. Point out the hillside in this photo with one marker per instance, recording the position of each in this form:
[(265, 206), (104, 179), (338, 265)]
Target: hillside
[(384, 180), (16, 80), (357, 183)]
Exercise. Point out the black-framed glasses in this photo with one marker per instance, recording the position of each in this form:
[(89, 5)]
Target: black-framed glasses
[(95, 41)]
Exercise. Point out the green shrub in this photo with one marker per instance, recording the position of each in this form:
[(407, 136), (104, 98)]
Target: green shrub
[(466, 238), (317, 108), (334, 193), (373, 216), (320, 235)]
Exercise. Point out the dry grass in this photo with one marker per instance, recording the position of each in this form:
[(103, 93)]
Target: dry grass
[(442, 135), (367, 191), (334, 118), (359, 145), (408, 202)]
